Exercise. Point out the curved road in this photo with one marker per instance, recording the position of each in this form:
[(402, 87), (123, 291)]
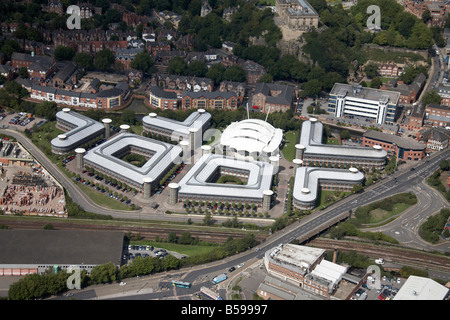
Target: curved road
[(74, 192)]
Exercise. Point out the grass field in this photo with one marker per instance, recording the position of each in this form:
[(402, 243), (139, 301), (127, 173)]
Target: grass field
[(328, 197), (334, 141), (379, 215), (102, 199), (189, 250), (292, 138)]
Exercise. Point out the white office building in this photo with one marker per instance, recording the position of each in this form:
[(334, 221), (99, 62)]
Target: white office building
[(347, 100)]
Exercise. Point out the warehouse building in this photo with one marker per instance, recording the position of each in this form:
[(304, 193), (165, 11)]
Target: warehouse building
[(36, 251), (308, 180), (107, 159), (313, 152), (80, 131), (420, 288), (375, 105), (198, 184)]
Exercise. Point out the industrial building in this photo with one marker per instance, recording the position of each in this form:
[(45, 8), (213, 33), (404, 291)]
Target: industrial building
[(312, 151), (251, 139), (308, 181), (347, 100), (36, 251), (80, 130), (198, 184), (420, 288), (303, 267), (107, 159)]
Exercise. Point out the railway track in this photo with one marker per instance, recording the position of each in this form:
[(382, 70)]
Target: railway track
[(389, 254), (146, 232)]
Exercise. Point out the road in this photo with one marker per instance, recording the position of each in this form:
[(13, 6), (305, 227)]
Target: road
[(406, 181), (74, 192)]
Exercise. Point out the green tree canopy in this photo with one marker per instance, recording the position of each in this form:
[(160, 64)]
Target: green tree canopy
[(104, 59), (431, 97), (177, 65), (64, 53), (235, 73), (143, 62), (84, 60)]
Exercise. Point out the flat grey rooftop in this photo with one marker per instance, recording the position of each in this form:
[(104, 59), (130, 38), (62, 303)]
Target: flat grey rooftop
[(195, 181), (195, 120), (355, 91), (311, 138), (310, 177), (164, 155), (84, 128), (60, 247)]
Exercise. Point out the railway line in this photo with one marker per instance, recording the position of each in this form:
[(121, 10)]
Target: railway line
[(146, 232), (390, 254)]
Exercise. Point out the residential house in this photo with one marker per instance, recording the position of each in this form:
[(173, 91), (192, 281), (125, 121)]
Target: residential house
[(253, 71), (437, 115), (67, 75), (232, 86), (209, 100), (182, 83), (125, 56), (408, 93), (436, 139), (38, 67), (161, 99), (6, 71)]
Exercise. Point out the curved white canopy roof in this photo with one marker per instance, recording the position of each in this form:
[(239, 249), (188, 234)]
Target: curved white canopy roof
[(252, 135)]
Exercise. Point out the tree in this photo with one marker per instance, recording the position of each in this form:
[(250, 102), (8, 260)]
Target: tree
[(235, 73), (376, 83), (444, 165), (215, 72), (64, 53), (104, 273), (84, 60), (177, 65), (143, 62), (312, 87), (104, 59), (23, 72), (431, 97), (357, 188), (208, 219), (47, 110), (345, 134), (197, 69), (371, 70), (172, 237)]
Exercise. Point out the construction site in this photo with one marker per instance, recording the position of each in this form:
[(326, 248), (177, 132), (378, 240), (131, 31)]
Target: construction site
[(26, 189)]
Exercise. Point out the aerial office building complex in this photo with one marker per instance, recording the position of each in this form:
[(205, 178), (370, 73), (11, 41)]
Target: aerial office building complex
[(107, 158), (80, 130), (199, 183), (195, 125), (308, 181), (312, 152), (376, 105)]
